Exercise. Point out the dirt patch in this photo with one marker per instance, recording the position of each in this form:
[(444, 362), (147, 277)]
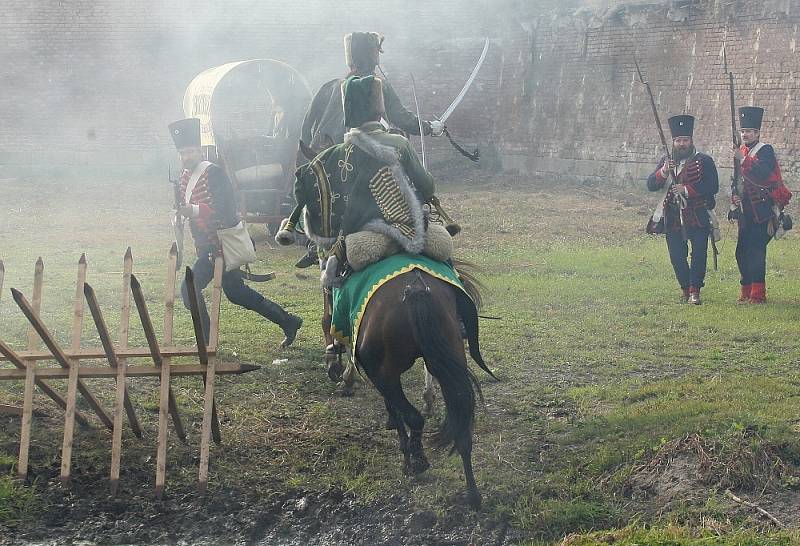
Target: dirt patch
[(688, 471), (234, 516)]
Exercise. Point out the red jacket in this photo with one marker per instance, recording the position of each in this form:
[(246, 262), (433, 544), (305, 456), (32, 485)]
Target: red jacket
[(763, 183)]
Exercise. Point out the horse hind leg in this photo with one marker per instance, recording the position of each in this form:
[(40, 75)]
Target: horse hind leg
[(429, 394), (464, 447), (345, 386), (416, 462)]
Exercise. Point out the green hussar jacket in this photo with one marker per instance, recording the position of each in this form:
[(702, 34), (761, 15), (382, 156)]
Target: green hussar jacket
[(373, 181), (323, 125)]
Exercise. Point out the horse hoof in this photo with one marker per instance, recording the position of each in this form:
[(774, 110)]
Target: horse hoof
[(419, 464), (474, 500), (335, 371), (345, 390)]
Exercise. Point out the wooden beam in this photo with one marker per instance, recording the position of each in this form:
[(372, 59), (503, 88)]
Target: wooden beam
[(209, 415), (202, 353), (124, 323), (58, 353), (38, 283), (98, 353), (155, 351), (72, 383), (5, 409), (27, 419), (111, 354), (17, 360), (164, 390), (216, 301), (122, 402), (91, 372)]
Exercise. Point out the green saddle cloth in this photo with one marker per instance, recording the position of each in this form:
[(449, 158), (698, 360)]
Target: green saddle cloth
[(350, 301)]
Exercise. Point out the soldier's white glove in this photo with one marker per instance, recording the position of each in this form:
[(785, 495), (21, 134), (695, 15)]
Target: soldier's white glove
[(437, 128)]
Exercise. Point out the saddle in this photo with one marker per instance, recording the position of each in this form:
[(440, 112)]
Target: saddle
[(368, 247)]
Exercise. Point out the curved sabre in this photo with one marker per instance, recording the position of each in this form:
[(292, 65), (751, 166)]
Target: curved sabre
[(467, 85), (419, 120)]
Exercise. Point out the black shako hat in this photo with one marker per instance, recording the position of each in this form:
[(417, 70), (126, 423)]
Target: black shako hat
[(185, 132), (681, 126), (750, 117)]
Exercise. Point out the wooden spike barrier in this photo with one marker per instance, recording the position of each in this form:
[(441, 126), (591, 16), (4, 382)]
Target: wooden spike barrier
[(74, 372)]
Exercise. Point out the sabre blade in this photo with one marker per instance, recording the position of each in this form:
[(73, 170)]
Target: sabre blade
[(467, 85), (419, 121)]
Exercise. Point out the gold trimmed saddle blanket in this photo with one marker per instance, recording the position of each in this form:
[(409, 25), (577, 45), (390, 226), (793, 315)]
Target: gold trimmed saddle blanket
[(351, 299)]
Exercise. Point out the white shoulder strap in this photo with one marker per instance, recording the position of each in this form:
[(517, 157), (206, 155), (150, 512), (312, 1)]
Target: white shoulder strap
[(196, 174), (754, 150)]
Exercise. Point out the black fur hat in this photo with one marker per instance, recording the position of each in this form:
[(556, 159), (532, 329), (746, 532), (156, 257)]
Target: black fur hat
[(681, 126), (185, 132)]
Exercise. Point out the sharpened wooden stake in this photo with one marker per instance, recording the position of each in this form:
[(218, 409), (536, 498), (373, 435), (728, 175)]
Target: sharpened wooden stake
[(158, 360), (209, 415), (58, 354), (216, 300), (202, 351), (155, 350), (122, 402), (5, 409), (74, 365), (127, 271), (164, 391), (38, 283), (27, 418)]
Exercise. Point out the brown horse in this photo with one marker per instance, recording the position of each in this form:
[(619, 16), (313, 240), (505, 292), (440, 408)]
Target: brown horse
[(416, 315)]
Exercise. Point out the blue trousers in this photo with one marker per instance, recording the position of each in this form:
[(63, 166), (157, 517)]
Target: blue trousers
[(235, 290), (751, 251), (689, 274)]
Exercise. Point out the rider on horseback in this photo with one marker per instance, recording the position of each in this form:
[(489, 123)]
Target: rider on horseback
[(370, 188), (373, 181)]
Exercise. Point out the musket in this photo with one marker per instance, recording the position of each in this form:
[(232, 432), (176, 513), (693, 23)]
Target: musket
[(177, 219), (673, 177), (736, 178)]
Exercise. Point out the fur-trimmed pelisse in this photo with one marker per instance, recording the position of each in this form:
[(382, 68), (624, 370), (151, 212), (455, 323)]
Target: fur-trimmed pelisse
[(362, 49), (367, 247)]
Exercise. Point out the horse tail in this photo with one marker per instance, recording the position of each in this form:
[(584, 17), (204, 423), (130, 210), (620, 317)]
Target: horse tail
[(468, 310), (444, 363)]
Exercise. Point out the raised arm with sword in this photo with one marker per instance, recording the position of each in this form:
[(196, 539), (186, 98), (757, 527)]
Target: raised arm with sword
[(475, 155)]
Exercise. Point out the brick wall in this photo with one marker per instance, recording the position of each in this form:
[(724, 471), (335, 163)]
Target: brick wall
[(96, 81), (570, 102)]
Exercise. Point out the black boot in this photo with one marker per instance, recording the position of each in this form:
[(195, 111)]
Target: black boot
[(310, 257), (289, 323)]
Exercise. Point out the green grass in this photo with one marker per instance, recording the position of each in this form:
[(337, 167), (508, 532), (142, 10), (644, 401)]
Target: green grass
[(601, 368), (17, 502)]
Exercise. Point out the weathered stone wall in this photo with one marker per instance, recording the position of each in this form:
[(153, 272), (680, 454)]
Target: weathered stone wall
[(570, 101), (98, 80)]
